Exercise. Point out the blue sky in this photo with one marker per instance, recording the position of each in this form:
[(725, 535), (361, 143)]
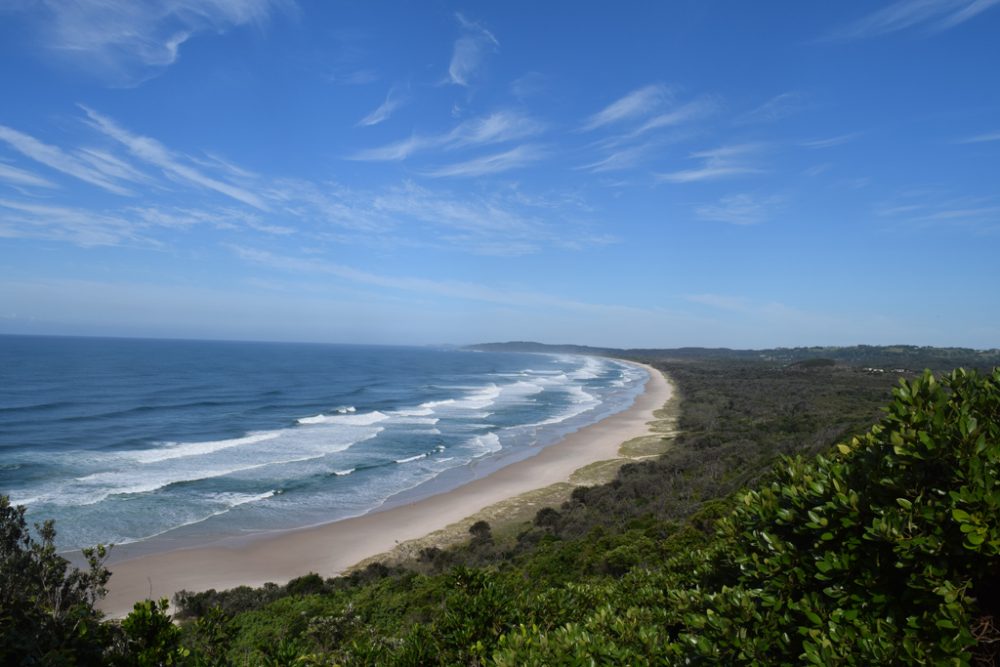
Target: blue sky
[(628, 174)]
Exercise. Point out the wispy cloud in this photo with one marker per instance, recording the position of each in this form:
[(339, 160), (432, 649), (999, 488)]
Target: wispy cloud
[(720, 301), (221, 195), (981, 138), (350, 58), (397, 150), (639, 102), (934, 208), (528, 85), (498, 127), (153, 152), (991, 213), (649, 133), (930, 15), (127, 42), (830, 142), (393, 100), (504, 222), (469, 51), (132, 225), (492, 164), (423, 286), (63, 223), (21, 177), (718, 163), (494, 225), (625, 158), (740, 209), (468, 291), (58, 159), (818, 169), (778, 107), (111, 166), (685, 113), (219, 218)]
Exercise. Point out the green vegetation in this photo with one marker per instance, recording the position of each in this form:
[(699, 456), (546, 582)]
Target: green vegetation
[(778, 527), (47, 611), (885, 357)]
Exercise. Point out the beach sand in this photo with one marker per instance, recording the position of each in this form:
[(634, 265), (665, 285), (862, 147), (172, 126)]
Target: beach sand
[(332, 548)]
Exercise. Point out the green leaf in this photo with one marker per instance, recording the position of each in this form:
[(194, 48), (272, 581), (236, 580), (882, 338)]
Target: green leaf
[(975, 539)]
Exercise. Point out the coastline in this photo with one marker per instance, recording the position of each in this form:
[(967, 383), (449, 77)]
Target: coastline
[(332, 548)]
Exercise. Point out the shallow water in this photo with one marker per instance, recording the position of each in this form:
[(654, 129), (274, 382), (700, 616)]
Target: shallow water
[(120, 440)]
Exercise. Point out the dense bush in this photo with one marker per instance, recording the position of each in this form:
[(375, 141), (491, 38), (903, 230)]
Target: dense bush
[(47, 613), (887, 551)]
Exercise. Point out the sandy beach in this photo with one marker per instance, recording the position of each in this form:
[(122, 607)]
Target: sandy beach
[(332, 548)]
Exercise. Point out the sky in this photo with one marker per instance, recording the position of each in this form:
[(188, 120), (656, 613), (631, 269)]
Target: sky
[(627, 174)]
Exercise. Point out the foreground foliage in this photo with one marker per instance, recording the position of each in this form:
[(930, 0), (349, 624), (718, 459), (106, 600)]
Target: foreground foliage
[(883, 552), (47, 613)]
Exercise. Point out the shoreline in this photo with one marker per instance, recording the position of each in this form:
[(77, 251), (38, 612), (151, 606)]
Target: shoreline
[(333, 548)]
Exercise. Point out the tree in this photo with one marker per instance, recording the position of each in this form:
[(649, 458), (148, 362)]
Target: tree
[(481, 532), (47, 612), (149, 637)]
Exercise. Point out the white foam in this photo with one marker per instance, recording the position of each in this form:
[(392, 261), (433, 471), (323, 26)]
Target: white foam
[(344, 473), (488, 443), (590, 370), (176, 450), (414, 412), (476, 399), (412, 458), (523, 388), (347, 408), (317, 419), (294, 445), (428, 421), (582, 402), (364, 419), (237, 500), (115, 483), (581, 395), (481, 398), (232, 500), (430, 405)]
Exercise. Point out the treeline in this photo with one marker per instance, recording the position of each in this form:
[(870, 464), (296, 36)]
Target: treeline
[(884, 357), (877, 547)]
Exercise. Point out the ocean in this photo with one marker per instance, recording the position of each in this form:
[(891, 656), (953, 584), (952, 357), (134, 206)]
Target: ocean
[(127, 440)]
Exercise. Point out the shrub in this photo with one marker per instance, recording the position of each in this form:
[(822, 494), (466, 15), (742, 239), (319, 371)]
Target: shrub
[(47, 612)]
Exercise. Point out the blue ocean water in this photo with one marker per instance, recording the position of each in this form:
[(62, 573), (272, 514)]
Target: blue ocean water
[(123, 440)]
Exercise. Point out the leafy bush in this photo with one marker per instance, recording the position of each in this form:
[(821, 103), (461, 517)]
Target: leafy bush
[(149, 638), (47, 613), (887, 551)]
